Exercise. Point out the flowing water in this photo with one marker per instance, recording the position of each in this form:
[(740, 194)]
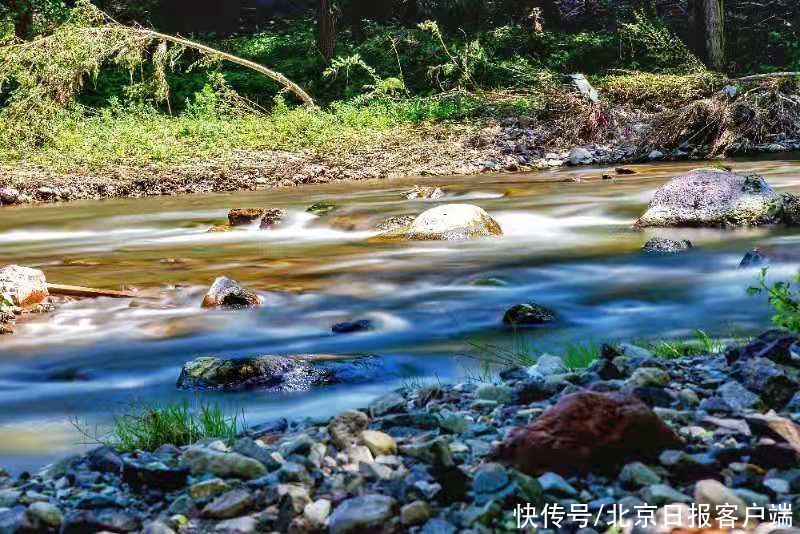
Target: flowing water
[(567, 245)]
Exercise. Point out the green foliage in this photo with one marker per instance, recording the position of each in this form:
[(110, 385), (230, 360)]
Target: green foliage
[(6, 303), (784, 297), (149, 427), (649, 45), (653, 90), (580, 356)]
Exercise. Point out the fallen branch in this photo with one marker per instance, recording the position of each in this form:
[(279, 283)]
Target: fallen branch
[(766, 76), (88, 292)]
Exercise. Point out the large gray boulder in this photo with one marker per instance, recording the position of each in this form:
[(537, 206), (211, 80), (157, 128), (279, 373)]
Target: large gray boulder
[(227, 293), (24, 286), (274, 373), (453, 222), (712, 197)]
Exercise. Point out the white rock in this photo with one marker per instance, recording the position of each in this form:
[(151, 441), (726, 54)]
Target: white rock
[(453, 222), (26, 287)]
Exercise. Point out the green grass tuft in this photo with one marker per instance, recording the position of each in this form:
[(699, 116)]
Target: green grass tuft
[(149, 427)]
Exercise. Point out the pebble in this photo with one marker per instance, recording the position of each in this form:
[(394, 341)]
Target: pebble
[(379, 443), (317, 512), (361, 513)]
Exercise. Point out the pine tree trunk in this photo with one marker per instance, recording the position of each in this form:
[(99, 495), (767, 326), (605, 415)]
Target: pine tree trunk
[(714, 16), (22, 13), (326, 29)]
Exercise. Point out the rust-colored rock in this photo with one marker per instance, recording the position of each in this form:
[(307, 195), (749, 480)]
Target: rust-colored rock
[(588, 432)]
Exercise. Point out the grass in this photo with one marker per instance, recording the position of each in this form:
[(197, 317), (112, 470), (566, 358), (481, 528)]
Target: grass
[(148, 427), (701, 344)]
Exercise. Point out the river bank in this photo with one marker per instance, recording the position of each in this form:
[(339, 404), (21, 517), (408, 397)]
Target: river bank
[(714, 430)]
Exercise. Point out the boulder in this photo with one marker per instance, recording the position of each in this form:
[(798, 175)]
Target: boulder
[(660, 245), (528, 314), (453, 222), (205, 461), (227, 293), (580, 156), (346, 428), (587, 432), (24, 286), (712, 197), (9, 195), (273, 373), (232, 504), (769, 380), (424, 192), (397, 222)]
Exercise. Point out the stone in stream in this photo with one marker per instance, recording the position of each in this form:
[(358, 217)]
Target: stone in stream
[(754, 258), (712, 197), (25, 287), (227, 293), (363, 325), (321, 208), (587, 432), (580, 156), (9, 195), (453, 222), (528, 314), (274, 373), (660, 245), (267, 217), (424, 192), (397, 222)]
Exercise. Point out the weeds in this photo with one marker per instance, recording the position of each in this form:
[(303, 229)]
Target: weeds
[(148, 427), (580, 356)]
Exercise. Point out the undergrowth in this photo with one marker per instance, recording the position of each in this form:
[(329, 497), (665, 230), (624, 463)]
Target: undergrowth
[(783, 297)]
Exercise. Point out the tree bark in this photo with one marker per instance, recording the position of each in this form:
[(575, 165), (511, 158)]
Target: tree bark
[(22, 14), (714, 15), (326, 28), (707, 23)]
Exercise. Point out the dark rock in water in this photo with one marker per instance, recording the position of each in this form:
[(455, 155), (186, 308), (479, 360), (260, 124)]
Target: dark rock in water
[(790, 209), (711, 197), (227, 293), (659, 245), (777, 345), (754, 258), (396, 223), (321, 208), (587, 432), (768, 380), (273, 373), (624, 170), (364, 325), (528, 314), (248, 216)]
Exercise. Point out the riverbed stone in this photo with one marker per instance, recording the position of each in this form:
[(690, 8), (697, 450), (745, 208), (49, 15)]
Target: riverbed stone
[(201, 460), (245, 216), (529, 314), (713, 197), (272, 373), (713, 493), (767, 379), (361, 514), (227, 293), (580, 156), (587, 431), (637, 474), (41, 516), (397, 222), (754, 258), (346, 428), (25, 287), (231, 504), (379, 443), (453, 222), (316, 513), (415, 513), (208, 488), (662, 494)]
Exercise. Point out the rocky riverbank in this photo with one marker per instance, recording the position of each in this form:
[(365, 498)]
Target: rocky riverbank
[(515, 144), (714, 430)]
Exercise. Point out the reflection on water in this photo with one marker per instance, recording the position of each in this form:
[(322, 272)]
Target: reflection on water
[(567, 245)]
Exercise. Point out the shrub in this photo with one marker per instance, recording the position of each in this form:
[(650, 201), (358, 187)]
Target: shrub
[(649, 44), (784, 297)]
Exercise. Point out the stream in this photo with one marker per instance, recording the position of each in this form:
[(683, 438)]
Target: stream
[(437, 305)]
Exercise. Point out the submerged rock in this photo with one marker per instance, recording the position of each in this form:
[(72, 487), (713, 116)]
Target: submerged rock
[(588, 432), (453, 222), (424, 192), (273, 373), (754, 258), (321, 208), (660, 245), (26, 287), (712, 197), (267, 217), (529, 314), (227, 293), (396, 223), (363, 325)]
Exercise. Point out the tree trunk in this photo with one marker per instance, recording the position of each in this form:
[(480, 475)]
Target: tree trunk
[(326, 29), (707, 25), (22, 13), (714, 14)]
